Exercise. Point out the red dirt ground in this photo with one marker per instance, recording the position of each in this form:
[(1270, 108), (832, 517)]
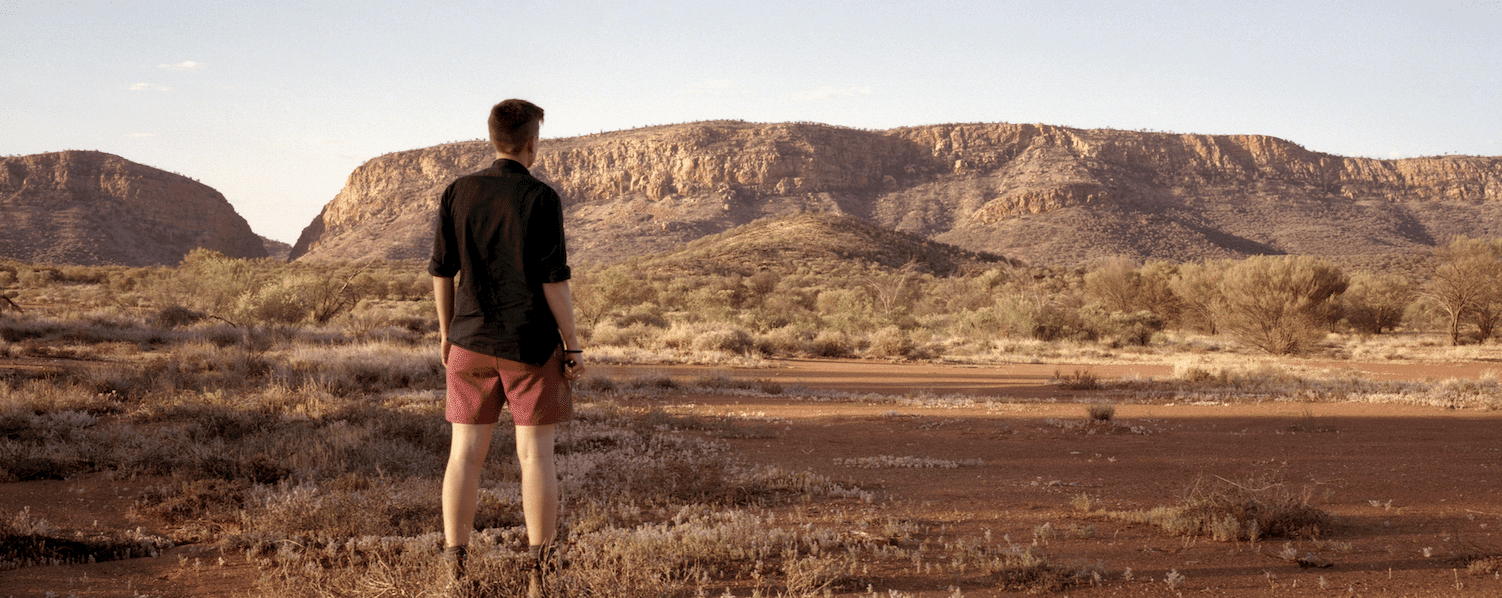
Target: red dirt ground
[(1412, 489)]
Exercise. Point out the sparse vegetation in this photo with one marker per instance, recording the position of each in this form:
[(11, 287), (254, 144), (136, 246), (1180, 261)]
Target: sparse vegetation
[(318, 388), (1225, 511)]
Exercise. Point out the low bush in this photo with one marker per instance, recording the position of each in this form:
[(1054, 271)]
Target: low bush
[(1228, 511)]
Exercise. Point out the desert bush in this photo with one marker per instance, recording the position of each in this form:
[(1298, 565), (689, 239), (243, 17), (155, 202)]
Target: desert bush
[(890, 342), (647, 314), (846, 310), (1282, 305), (635, 335), (1375, 303), (1101, 412), (1079, 380), (1123, 287), (1467, 284), (1228, 511), (833, 344), (1198, 289), (176, 316), (786, 341), (1134, 328)]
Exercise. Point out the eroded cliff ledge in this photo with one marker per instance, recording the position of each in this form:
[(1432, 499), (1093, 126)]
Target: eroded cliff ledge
[(93, 208), (1040, 193)]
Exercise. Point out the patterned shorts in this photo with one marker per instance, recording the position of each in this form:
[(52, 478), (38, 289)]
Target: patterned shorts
[(479, 384)]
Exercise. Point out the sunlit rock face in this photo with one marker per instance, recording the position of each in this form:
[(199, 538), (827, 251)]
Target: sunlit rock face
[(1043, 194), (93, 208)]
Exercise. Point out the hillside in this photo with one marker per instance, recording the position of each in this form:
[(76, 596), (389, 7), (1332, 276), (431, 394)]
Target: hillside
[(819, 242), (1042, 194), (93, 208)]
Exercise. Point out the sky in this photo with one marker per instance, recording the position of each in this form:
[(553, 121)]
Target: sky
[(274, 103)]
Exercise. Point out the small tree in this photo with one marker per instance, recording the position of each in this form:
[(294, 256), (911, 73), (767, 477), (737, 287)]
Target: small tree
[(1465, 284), (1281, 304)]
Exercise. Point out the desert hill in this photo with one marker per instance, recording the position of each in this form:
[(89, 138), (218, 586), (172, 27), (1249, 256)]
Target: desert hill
[(92, 208), (1043, 194), (819, 242)]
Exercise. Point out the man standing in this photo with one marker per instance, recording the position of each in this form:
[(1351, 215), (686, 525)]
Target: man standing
[(507, 327)]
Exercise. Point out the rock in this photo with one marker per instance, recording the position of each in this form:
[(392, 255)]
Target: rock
[(93, 208)]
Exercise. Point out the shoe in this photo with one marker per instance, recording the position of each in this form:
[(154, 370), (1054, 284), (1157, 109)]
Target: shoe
[(534, 585), (542, 575)]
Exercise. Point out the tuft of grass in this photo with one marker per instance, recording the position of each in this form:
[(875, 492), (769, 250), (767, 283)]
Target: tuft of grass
[(1079, 380), (1228, 511), (1101, 412)]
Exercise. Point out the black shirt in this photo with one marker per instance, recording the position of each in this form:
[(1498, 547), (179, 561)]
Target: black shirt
[(501, 231)]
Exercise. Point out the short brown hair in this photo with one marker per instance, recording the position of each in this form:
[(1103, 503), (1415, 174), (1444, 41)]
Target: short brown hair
[(512, 124)]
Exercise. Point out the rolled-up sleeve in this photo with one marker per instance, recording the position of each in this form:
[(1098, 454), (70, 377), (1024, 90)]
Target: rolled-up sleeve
[(445, 260)]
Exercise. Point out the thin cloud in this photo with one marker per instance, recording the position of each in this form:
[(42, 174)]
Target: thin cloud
[(830, 91), (149, 87), (186, 65), (710, 87)]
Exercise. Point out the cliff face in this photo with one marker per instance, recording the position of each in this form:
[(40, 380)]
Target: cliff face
[(1039, 193), (92, 208)]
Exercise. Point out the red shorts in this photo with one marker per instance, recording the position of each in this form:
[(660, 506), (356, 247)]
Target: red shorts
[(479, 384)]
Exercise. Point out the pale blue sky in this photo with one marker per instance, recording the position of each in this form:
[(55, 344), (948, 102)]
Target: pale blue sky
[(274, 103)]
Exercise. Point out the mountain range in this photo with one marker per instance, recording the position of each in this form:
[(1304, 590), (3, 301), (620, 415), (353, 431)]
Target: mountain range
[(1043, 194)]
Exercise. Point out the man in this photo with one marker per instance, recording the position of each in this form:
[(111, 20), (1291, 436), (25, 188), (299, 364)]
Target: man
[(507, 327)]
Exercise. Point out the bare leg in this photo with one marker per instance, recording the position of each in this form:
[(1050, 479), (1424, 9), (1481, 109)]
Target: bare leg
[(461, 481), (534, 451)]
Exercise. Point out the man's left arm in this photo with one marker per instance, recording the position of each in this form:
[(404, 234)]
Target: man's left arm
[(443, 296), (561, 303)]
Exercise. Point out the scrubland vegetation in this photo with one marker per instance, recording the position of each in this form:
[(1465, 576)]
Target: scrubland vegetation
[(292, 412)]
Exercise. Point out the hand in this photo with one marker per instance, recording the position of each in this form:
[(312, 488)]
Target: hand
[(573, 368), (446, 346)]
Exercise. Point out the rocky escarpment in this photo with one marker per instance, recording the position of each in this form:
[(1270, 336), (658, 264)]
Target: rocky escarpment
[(81, 207), (1043, 194)]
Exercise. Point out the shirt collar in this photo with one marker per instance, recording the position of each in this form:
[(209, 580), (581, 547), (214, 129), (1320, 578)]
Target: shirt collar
[(509, 166)]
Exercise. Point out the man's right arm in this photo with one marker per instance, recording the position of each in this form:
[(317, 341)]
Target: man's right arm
[(443, 296)]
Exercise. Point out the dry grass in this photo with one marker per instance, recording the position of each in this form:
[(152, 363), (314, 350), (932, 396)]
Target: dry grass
[(1228, 511), (27, 541)]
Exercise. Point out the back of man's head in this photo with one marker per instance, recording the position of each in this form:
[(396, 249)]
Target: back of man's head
[(512, 124)]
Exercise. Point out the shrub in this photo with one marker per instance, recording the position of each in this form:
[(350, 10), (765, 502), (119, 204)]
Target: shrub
[(1101, 412), (832, 344), (1374, 303), (1227, 511), (175, 316), (728, 339), (1135, 328), (890, 342), (1197, 287), (1282, 305)]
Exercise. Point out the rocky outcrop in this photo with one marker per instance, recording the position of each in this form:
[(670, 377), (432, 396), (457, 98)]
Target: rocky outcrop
[(92, 208), (1040, 193)]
